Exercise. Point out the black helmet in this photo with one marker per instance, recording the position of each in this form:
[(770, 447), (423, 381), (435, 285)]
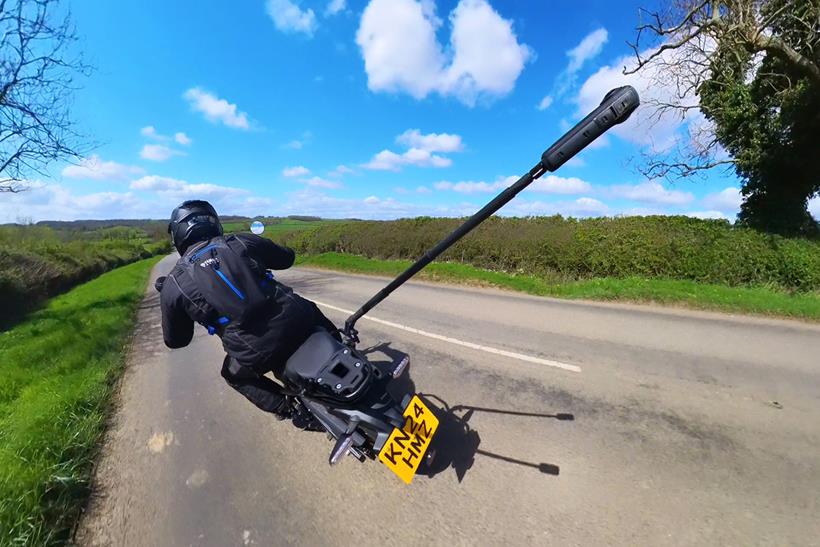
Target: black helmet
[(191, 222)]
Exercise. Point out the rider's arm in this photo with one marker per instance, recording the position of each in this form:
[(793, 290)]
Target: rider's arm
[(177, 326), (267, 253)]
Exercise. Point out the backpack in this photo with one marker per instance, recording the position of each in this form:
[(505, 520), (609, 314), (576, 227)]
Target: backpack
[(229, 280)]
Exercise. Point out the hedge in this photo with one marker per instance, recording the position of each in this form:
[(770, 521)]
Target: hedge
[(38, 262), (670, 247)]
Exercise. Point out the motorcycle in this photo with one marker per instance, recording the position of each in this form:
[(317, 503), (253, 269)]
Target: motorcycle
[(334, 384)]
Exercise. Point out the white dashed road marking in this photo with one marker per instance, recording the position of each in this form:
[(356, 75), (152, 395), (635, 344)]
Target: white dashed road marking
[(487, 349)]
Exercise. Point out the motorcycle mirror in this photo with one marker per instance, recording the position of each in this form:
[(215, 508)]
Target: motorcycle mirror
[(159, 283), (257, 227)]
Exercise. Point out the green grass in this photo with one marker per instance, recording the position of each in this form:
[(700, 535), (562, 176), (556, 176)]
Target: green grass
[(749, 300), (38, 262), (56, 375)]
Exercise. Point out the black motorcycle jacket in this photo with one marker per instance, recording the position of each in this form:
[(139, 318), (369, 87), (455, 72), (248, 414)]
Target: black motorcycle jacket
[(284, 322)]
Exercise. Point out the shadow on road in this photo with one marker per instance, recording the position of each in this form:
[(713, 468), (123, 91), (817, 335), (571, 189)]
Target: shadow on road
[(306, 284), (455, 443)]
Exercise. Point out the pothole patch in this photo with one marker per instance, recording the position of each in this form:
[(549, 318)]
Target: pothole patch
[(160, 441), (197, 478)]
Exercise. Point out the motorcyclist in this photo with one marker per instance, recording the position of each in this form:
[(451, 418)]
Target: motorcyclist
[(199, 289)]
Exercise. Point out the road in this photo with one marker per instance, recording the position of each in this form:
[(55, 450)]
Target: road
[(689, 428)]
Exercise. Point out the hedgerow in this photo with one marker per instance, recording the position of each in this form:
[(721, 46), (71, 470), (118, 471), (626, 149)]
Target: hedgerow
[(37, 262), (669, 247)]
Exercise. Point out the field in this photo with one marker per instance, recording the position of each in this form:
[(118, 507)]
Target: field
[(276, 226), (59, 366)]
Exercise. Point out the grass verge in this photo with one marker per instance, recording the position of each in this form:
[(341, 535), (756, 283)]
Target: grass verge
[(58, 370), (748, 300)]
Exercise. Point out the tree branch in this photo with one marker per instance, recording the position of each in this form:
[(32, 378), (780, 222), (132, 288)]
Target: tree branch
[(682, 169), (781, 50), (36, 79)]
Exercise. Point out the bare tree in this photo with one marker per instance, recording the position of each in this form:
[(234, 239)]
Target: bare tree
[(37, 77)]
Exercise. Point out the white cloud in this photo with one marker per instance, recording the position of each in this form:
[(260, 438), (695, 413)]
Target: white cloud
[(150, 197), (182, 139), (151, 132), (651, 192), (56, 202), (298, 144), (642, 212), (591, 206), (314, 202), (473, 187), (95, 168), (727, 200), (431, 142), (549, 184), (341, 170), (488, 57), (390, 161), (398, 42), (588, 49), (552, 184), (707, 214), (180, 189), (297, 171), (401, 52), (157, 183), (335, 6), (289, 17), (581, 207), (545, 103), (158, 152), (648, 127), (421, 151), (319, 182), (419, 190), (814, 207), (216, 109)]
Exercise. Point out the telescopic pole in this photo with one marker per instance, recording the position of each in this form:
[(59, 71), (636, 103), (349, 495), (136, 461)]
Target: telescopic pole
[(616, 107)]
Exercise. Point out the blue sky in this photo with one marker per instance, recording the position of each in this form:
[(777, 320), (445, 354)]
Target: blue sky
[(356, 108)]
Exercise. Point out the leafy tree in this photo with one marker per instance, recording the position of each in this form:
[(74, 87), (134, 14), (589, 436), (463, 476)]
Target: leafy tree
[(37, 72), (755, 66)]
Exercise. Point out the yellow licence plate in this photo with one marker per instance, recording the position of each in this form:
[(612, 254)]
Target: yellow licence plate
[(405, 447)]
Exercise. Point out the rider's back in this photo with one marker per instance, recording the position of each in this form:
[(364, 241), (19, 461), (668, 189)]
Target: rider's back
[(222, 284)]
